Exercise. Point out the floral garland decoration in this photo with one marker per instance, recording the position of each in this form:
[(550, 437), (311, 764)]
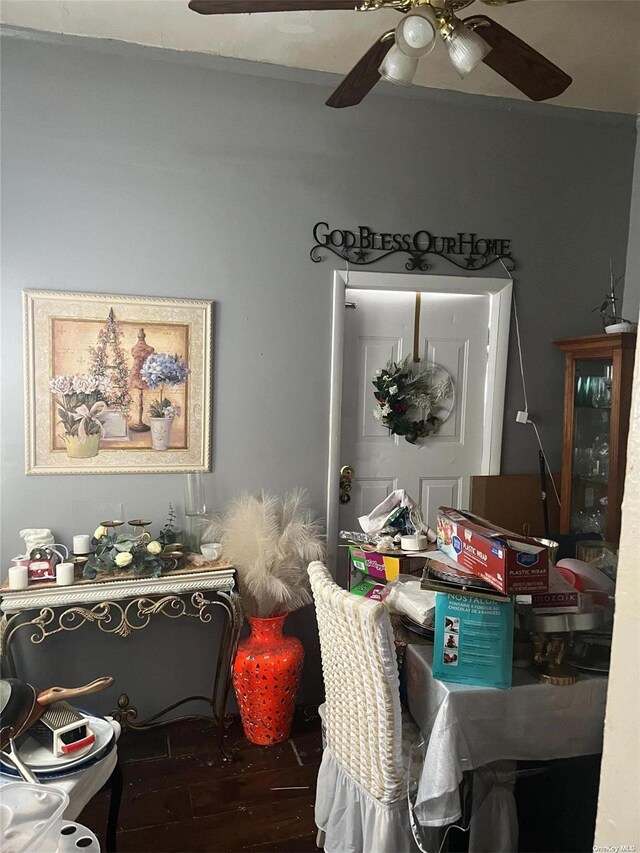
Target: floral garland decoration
[(139, 555), (401, 393)]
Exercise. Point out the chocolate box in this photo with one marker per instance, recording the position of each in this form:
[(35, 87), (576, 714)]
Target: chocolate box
[(512, 564), (473, 641)]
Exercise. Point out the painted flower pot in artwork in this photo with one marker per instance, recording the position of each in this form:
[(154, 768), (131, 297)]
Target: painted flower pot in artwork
[(82, 447), (266, 673), (160, 432)]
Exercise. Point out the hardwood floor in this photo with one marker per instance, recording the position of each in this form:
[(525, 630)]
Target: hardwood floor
[(178, 797)]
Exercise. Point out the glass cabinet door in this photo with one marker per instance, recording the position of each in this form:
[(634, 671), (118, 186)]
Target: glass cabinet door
[(591, 440)]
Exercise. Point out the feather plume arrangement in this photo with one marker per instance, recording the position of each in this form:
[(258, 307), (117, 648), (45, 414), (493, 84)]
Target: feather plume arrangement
[(270, 542)]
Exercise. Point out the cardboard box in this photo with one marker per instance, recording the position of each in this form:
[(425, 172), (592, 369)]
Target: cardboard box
[(562, 597), (369, 589), (383, 567), (549, 603), (473, 641), (512, 564)]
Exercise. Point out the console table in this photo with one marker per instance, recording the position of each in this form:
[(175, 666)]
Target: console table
[(124, 604)]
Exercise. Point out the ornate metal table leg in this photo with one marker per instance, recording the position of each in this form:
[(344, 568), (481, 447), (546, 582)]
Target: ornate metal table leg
[(229, 602), (224, 668), (8, 626)]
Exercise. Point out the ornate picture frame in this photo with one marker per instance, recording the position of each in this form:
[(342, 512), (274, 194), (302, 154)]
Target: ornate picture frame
[(116, 384)]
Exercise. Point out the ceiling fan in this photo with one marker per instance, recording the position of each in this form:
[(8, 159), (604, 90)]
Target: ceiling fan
[(395, 55)]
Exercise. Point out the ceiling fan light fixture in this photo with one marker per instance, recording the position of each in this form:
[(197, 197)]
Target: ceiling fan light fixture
[(416, 33), (398, 68), (465, 47)]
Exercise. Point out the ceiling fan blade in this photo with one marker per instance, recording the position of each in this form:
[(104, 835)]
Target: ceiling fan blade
[(526, 69), (234, 7), (501, 2), (363, 76)]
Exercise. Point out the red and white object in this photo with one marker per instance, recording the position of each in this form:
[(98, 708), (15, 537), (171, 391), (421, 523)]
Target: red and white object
[(562, 597), (42, 570), (591, 577), (63, 731), (512, 564), (588, 579)]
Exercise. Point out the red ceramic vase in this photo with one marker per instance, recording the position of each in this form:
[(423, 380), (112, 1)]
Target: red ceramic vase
[(266, 673)]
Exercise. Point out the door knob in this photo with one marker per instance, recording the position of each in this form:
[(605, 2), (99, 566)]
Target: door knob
[(346, 475)]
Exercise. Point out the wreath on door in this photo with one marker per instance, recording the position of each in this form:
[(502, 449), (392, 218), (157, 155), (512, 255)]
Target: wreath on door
[(411, 402)]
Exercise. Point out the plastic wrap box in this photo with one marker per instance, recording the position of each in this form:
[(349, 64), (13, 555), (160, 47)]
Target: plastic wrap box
[(512, 564)]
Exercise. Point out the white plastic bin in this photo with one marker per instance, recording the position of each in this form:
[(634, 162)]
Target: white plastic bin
[(31, 817)]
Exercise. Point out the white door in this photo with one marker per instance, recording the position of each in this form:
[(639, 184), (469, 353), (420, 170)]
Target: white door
[(454, 332)]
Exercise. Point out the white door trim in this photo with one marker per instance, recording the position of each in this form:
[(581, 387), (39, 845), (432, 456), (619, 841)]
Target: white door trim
[(498, 289)]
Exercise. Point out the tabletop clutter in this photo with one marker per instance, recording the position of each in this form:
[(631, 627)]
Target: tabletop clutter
[(105, 553), (43, 737), (487, 598)]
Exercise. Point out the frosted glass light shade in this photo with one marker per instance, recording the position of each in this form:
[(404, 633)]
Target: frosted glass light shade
[(416, 32), (466, 49), (397, 67)]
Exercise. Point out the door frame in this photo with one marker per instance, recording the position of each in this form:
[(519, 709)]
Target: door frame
[(499, 291)]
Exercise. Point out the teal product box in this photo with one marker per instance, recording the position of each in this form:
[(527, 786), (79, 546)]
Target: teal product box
[(473, 641)]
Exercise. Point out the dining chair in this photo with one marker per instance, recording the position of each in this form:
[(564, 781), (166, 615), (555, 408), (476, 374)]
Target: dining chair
[(361, 798)]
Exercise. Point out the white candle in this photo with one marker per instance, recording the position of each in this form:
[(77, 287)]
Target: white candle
[(81, 545), (65, 574), (18, 577)]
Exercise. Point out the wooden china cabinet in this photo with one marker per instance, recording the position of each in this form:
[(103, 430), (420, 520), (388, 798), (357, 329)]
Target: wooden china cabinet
[(597, 402)]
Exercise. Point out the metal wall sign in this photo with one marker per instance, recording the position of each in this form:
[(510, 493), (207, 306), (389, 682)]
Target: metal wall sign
[(363, 247)]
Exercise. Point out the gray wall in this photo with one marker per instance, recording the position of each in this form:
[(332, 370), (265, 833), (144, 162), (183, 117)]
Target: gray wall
[(631, 296), (129, 171)]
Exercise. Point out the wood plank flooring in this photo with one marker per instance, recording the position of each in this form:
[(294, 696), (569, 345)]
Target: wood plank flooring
[(178, 797)]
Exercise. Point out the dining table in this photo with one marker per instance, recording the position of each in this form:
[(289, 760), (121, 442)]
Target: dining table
[(484, 732)]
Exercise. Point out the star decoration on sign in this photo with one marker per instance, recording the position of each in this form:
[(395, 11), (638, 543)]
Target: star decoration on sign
[(361, 255), (471, 262)]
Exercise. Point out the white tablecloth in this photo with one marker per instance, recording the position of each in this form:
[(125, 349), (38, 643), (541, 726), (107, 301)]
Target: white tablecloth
[(467, 728), (84, 784)]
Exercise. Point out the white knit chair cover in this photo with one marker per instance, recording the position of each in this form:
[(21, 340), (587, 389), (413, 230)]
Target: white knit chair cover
[(363, 716)]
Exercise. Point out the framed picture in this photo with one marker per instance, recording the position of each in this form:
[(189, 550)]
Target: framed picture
[(116, 384)]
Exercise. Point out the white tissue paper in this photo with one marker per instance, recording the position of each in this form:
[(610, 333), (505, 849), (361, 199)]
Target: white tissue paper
[(36, 537), (407, 598)]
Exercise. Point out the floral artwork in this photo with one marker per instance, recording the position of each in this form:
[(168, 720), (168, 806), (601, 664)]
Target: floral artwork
[(80, 400), (115, 377), (116, 384), (412, 402), (161, 369)]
